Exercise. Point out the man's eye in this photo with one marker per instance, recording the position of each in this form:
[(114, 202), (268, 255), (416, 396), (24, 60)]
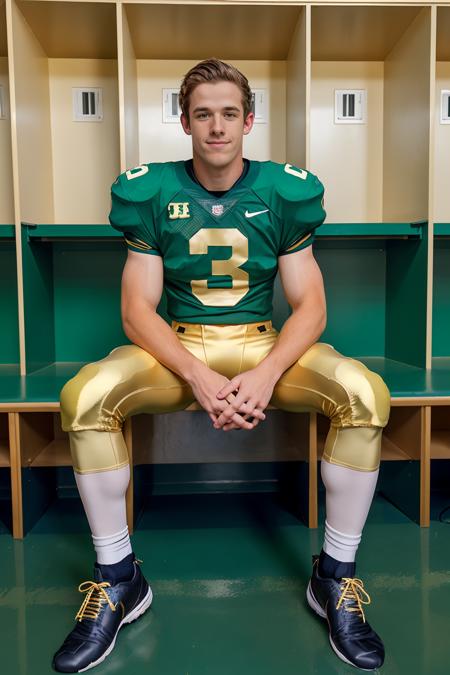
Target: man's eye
[(230, 114), (202, 116)]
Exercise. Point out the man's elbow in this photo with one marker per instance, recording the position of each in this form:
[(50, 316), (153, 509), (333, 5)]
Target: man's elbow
[(132, 315), (322, 321)]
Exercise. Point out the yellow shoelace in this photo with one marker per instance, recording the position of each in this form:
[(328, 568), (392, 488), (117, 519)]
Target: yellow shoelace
[(94, 600), (353, 589)]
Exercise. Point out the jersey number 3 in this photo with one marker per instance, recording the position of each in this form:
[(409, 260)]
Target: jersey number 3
[(221, 297)]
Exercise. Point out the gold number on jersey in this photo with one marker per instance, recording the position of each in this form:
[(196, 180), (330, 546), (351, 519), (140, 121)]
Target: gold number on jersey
[(221, 297), (300, 173)]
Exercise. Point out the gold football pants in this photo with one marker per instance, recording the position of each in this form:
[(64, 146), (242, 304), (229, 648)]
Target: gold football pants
[(129, 381)]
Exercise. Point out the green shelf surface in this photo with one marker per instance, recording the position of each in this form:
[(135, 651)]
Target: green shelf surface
[(7, 232), (50, 232), (442, 229), (45, 384), (371, 230)]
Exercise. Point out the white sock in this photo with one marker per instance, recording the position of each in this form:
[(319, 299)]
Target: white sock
[(103, 497), (112, 549), (340, 546), (349, 494)]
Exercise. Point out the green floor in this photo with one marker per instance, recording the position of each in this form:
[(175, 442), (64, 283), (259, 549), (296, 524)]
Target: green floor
[(228, 574)]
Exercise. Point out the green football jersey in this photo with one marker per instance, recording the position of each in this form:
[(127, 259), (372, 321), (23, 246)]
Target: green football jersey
[(220, 254)]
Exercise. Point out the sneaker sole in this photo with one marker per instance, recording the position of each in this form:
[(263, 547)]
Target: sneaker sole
[(132, 616), (312, 602)]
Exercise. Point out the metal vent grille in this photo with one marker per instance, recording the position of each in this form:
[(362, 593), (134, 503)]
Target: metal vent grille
[(350, 106), (3, 105), (445, 106), (87, 104)]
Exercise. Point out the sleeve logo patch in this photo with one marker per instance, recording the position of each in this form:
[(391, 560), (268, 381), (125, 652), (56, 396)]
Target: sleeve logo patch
[(136, 172), (178, 210), (299, 173)]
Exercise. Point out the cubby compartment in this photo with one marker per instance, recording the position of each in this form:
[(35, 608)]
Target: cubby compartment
[(60, 47), (373, 161), (4, 441), (5, 475), (404, 477), (71, 297), (162, 42), (42, 447), (440, 433), (442, 125), (440, 463), (376, 302)]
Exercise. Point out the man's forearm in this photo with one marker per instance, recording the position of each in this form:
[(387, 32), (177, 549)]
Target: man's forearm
[(145, 328), (301, 330)]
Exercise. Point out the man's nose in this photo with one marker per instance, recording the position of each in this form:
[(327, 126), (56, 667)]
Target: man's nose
[(217, 126)]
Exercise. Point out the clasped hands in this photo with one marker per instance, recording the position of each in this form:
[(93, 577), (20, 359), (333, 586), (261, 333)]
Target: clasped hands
[(238, 403)]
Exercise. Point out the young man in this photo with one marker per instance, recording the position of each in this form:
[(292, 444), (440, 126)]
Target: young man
[(218, 227)]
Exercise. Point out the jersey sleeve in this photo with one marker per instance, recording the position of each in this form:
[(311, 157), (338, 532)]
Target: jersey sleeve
[(131, 212), (301, 200)]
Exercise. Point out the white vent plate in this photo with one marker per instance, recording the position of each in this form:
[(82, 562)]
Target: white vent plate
[(87, 104), (445, 106), (350, 106), (3, 104), (259, 105), (171, 108)]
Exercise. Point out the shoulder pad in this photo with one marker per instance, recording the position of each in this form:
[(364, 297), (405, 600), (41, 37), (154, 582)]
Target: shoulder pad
[(140, 184), (290, 183)]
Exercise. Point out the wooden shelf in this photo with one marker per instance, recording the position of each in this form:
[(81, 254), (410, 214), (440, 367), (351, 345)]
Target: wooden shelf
[(56, 453), (443, 31), (82, 30), (442, 229), (46, 232), (3, 40), (440, 444), (372, 230), (7, 232), (184, 31), (64, 232), (374, 32)]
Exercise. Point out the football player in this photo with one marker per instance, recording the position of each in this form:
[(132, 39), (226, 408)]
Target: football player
[(216, 229)]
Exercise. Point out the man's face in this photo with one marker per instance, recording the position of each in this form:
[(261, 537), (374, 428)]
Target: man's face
[(216, 123)]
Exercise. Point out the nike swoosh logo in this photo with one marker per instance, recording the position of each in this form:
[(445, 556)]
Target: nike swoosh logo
[(255, 213)]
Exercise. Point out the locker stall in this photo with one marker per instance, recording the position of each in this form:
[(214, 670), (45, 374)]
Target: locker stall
[(373, 157), (68, 147), (161, 43), (65, 67), (370, 147)]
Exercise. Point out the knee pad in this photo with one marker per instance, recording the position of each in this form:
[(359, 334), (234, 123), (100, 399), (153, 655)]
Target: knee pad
[(354, 440), (81, 401), (369, 397)]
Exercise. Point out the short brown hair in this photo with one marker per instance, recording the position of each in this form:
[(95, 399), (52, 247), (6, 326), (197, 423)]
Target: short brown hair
[(214, 70)]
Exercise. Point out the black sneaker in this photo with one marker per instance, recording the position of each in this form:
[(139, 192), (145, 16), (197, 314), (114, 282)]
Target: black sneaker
[(341, 604), (104, 611)]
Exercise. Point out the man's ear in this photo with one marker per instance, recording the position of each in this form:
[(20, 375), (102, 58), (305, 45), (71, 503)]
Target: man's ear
[(248, 123), (185, 124)]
